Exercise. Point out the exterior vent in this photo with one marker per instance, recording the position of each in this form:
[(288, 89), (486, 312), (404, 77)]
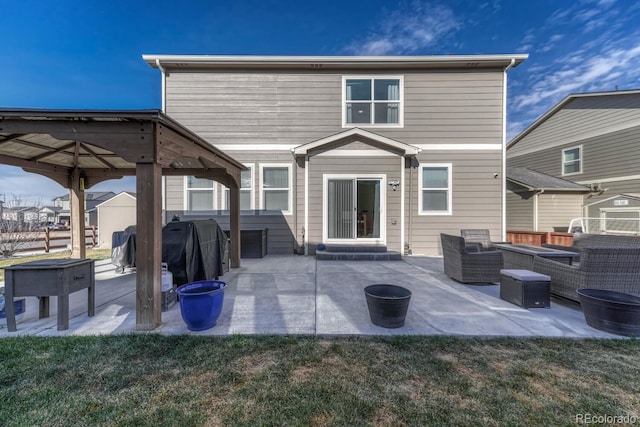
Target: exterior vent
[(595, 186)]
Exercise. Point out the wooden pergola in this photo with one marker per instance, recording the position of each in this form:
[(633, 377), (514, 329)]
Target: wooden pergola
[(81, 148)]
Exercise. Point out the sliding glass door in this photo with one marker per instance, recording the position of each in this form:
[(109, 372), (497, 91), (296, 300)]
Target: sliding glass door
[(353, 208)]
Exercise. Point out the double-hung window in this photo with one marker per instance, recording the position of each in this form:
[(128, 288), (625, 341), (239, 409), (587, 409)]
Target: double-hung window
[(246, 191), (435, 189), (373, 101), (572, 160), (200, 194), (275, 183)]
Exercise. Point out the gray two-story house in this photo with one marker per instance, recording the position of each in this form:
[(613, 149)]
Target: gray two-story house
[(590, 139), (386, 151)]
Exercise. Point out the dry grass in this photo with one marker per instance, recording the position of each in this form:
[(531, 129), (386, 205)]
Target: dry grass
[(185, 380)]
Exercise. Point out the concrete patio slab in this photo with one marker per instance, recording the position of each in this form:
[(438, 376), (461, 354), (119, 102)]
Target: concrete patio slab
[(301, 296)]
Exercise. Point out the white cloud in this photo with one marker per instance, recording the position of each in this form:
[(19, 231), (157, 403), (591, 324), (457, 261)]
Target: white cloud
[(407, 30)]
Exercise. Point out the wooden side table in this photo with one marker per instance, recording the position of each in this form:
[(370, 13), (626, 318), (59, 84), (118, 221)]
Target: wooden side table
[(45, 278)]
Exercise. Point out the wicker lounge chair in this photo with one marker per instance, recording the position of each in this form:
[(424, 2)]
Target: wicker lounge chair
[(467, 266), (614, 269), (478, 235)]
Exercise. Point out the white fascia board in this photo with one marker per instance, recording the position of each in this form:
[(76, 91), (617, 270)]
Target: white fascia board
[(304, 149), (460, 61)]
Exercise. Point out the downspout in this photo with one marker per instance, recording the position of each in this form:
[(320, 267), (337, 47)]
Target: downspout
[(163, 107), (164, 85), (504, 149), (535, 209)]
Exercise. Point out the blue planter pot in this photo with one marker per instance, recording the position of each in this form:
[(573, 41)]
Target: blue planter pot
[(201, 303)]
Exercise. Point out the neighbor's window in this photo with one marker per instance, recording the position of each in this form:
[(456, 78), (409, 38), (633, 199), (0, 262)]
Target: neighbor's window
[(435, 189), (276, 191), (200, 194), (373, 101), (246, 190), (572, 160)]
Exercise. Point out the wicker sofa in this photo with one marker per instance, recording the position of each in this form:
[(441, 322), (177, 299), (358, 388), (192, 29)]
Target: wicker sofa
[(466, 266), (586, 240), (614, 269)]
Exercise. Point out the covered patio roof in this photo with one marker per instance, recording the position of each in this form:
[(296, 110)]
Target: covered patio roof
[(80, 148)]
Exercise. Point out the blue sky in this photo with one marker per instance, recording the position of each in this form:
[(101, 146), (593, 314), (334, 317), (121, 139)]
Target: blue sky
[(87, 54)]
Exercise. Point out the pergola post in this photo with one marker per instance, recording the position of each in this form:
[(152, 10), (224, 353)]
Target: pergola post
[(76, 201), (234, 225), (148, 246)]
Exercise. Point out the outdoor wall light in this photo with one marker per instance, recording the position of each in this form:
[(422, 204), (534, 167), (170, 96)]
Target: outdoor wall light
[(394, 184)]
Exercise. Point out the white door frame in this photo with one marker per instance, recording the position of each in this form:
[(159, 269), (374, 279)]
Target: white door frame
[(383, 208)]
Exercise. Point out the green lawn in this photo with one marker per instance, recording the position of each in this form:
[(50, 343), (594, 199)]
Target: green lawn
[(147, 379), (91, 253)]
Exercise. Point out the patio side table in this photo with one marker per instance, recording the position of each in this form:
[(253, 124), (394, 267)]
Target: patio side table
[(45, 278)]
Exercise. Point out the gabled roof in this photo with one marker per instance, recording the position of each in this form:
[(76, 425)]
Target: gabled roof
[(120, 194), (91, 195), (560, 105), (358, 134), (534, 180)]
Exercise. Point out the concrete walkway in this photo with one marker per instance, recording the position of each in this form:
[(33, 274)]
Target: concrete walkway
[(299, 295)]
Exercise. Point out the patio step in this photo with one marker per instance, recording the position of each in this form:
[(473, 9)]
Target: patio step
[(357, 253)]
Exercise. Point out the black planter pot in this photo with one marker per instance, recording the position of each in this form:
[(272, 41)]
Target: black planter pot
[(387, 304), (611, 311)]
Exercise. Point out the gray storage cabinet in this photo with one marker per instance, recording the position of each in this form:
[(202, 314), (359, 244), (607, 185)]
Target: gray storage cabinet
[(46, 278), (525, 288)]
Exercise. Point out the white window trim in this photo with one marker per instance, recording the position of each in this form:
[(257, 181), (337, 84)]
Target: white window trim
[(252, 203), (185, 197), (449, 210), (261, 188), (400, 123), (382, 240), (580, 152)]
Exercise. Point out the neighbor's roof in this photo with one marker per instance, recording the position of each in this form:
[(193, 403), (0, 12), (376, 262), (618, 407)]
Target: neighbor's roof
[(334, 62), (534, 180), (560, 105), (91, 195)]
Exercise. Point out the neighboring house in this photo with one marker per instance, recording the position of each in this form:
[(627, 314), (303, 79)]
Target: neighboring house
[(50, 214), (539, 202), (91, 200), (589, 139), (115, 214), (359, 150)]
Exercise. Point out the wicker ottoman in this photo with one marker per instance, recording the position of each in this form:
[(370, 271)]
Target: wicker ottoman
[(525, 288)]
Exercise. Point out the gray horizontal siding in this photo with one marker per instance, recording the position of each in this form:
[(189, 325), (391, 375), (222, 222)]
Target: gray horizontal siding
[(580, 118), (476, 199), (519, 211), (555, 211), (288, 108), (606, 156)]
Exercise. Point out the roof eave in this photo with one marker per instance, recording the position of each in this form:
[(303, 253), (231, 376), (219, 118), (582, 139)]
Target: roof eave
[(323, 62)]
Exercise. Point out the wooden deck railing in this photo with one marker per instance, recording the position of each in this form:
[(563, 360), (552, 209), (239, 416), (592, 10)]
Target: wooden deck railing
[(538, 238)]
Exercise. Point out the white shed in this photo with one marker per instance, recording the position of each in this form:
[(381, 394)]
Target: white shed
[(115, 214)]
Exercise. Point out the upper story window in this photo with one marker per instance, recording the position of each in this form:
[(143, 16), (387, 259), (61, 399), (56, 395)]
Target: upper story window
[(246, 191), (435, 189), (572, 160), (373, 101), (275, 191), (200, 194)]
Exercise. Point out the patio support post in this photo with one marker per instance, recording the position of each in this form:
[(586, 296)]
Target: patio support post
[(234, 225), (76, 200), (148, 246)]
